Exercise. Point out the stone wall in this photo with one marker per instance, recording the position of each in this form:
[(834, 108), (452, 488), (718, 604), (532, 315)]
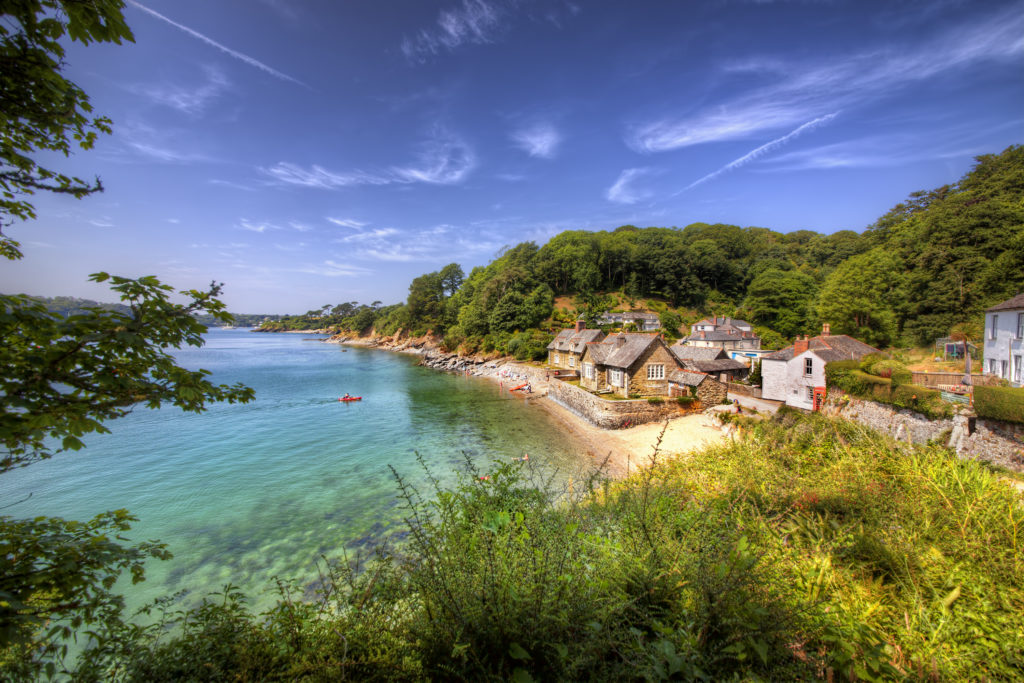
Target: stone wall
[(609, 414), (711, 392), (744, 390), (1001, 443)]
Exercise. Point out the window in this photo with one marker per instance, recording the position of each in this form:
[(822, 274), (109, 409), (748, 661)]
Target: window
[(808, 366), (810, 395), (588, 370), (1016, 368), (572, 361), (615, 378), (1002, 369), (1020, 326), (655, 372), (556, 359), (992, 366), (992, 330)]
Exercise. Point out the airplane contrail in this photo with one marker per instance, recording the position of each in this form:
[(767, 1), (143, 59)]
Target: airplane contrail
[(209, 41), (766, 147)]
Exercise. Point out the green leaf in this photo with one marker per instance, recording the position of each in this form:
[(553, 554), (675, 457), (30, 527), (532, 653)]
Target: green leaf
[(516, 651)]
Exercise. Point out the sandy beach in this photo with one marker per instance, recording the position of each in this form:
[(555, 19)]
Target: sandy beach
[(628, 449)]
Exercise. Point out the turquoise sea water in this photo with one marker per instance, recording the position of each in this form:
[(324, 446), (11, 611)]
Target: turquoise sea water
[(244, 493)]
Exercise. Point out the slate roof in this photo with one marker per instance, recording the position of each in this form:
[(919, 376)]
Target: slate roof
[(687, 378), (720, 322), (621, 350), (571, 340), (830, 348), (719, 365), (733, 334), (1016, 302), (683, 352)]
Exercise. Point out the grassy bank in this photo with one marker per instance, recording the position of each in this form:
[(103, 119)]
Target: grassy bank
[(811, 549)]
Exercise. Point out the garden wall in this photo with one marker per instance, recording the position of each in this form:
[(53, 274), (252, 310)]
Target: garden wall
[(609, 414), (744, 390), (997, 442)]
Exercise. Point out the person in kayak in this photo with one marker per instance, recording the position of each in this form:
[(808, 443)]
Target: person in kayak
[(346, 396)]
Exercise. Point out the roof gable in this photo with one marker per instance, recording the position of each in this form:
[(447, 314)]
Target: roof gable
[(1013, 303)]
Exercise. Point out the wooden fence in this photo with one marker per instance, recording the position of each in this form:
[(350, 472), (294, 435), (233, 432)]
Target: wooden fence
[(933, 380)]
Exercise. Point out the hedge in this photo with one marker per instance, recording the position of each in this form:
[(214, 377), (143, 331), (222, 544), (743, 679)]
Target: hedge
[(849, 377), (1000, 403)]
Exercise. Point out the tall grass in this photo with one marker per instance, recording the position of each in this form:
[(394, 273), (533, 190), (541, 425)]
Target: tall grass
[(811, 549)]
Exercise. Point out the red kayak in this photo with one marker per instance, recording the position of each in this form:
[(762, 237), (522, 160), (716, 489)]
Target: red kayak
[(352, 398)]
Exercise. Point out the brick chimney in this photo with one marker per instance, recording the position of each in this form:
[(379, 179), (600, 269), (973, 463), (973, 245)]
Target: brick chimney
[(581, 325), (825, 331), (800, 345), (702, 334)]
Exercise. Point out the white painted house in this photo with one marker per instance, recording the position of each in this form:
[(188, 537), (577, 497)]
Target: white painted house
[(1004, 340), (796, 374)]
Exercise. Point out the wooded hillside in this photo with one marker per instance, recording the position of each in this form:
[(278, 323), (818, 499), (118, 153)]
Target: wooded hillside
[(933, 262)]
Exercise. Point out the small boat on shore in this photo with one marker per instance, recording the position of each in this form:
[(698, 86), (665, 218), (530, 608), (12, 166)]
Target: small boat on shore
[(350, 398)]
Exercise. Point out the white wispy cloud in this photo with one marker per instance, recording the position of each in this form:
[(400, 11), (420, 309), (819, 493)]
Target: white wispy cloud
[(347, 222), (376, 235), (330, 268), (233, 185), (473, 22), (261, 227), (317, 176), (251, 61), (300, 227), (101, 222), (157, 145), (801, 93), (540, 140), (445, 159), (622, 191), (763, 149), (192, 101)]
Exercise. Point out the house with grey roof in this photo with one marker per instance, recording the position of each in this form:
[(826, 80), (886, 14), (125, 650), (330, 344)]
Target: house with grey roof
[(710, 360), (567, 347), (628, 364), (796, 374), (644, 321), (1004, 340), (734, 336)]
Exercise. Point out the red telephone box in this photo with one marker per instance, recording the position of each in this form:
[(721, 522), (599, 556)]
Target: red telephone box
[(819, 398)]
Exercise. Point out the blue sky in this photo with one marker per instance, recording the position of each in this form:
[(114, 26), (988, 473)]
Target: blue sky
[(310, 152)]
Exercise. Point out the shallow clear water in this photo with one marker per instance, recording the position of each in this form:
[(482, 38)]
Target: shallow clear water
[(244, 493)]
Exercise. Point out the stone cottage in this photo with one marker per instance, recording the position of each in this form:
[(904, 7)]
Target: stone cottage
[(706, 388), (710, 360), (628, 364), (567, 347)]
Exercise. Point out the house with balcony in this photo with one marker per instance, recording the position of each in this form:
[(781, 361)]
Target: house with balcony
[(796, 374), (644, 321), (1004, 340)]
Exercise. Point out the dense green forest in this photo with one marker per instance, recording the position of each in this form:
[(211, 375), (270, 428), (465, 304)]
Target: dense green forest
[(932, 263)]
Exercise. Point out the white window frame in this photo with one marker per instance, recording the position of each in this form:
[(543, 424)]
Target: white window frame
[(992, 366), (572, 361), (557, 359), (1020, 326), (656, 371), (808, 366), (1004, 369), (588, 370), (992, 330), (615, 377), (810, 395), (1017, 360)]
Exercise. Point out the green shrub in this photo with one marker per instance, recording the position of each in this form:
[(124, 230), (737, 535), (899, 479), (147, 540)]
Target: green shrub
[(1000, 403), (685, 400), (655, 400)]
